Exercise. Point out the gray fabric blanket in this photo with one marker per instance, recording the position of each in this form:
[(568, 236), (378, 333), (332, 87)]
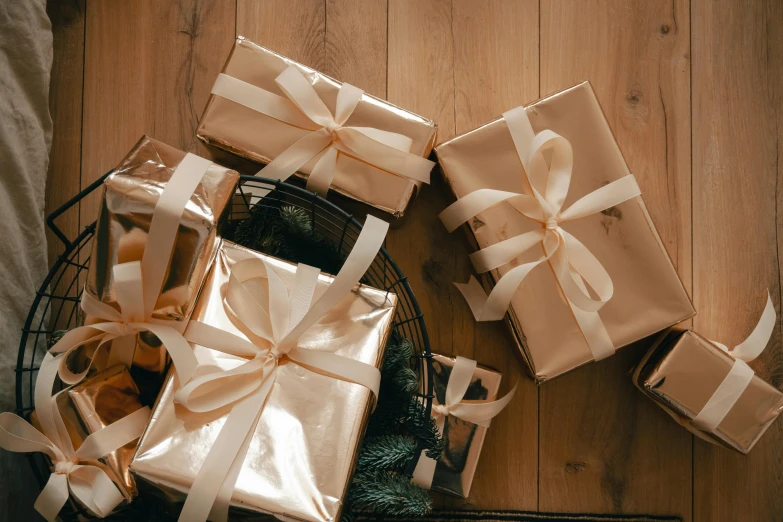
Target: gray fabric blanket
[(25, 139)]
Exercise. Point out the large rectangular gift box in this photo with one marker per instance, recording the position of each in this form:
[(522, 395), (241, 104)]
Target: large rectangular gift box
[(130, 194), (456, 467), (648, 295), (682, 370), (261, 138), (305, 443)]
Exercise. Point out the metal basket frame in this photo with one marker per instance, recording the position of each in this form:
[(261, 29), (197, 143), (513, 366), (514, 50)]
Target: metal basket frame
[(56, 303)]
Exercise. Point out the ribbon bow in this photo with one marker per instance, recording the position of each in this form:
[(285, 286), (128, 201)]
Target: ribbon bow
[(75, 471), (273, 321), (733, 385), (477, 412), (137, 287), (574, 266), (303, 108)]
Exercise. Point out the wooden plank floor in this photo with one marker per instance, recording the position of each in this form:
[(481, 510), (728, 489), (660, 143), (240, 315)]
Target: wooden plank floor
[(693, 90)]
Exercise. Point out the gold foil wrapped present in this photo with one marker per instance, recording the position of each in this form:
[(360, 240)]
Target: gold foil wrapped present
[(262, 138), (303, 448), (130, 195), (457, 465), (648, 295), (101, 400), (682, 371), (78, 432)]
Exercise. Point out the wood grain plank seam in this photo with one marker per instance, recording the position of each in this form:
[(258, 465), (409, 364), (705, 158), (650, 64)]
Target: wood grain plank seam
[(693, 234)]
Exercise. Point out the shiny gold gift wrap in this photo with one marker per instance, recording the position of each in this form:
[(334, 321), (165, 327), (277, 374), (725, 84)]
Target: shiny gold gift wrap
[(304, 446), (457, 465), (129, 198), (682, 370), (261, 138), (101, 400), (648, 295), (78, 432)]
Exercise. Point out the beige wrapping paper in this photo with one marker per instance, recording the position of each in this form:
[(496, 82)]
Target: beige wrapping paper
[(129, 197), (261, 138), (305, 443), (648, 295), (682, 370), (457, 465)]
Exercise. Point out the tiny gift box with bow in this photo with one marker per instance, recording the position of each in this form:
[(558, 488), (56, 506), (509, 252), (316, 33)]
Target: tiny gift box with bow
[(272, 110), (546, 184), (101, 400), (710, 389), (464, 403), (81, 464), (272, 420), (181, 224)]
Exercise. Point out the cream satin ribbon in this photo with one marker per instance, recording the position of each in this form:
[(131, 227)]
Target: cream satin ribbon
[(737, 380), (273, 322), (75, 471), (477, 412), (572, 263), (303, 108), (138, 285)]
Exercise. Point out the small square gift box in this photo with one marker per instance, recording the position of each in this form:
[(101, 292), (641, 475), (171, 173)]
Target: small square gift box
[(546, 185), (288, 368), (272, 110), (159, 216), (102, 400), (463, 405), (710, 389), (80, 463)]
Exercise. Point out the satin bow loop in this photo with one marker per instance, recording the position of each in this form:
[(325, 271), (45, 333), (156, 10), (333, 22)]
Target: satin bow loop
[(137, 287), (73, 471), (476, 412), (120, 328), (737, 380), (575, 268), (302, 107), (273, 318)]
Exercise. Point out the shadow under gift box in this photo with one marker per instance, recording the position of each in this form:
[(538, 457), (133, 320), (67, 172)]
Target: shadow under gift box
[(457, 465), (261, 138), (130, 194), (648, 295), (682, 370), (304, 446)]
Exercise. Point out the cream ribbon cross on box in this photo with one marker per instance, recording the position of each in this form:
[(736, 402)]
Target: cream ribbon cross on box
[(138, 285), (737, 380), (574, 266), (273, 321), (76, 472), (301, 107), (477, 412)]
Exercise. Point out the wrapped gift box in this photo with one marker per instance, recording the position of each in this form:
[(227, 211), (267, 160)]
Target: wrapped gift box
[(682, 370), (648, 295), (457, 465), (78, 432), (129, 197), (104, 399), (261, 138), (305, 443)]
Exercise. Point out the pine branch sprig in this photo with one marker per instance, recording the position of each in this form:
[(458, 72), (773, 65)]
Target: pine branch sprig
[(386, 453), (389, 494)]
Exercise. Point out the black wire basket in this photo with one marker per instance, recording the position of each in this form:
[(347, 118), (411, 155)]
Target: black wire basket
[(56, 304)]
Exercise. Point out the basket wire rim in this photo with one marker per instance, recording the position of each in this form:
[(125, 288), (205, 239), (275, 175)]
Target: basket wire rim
[(412, 311)]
